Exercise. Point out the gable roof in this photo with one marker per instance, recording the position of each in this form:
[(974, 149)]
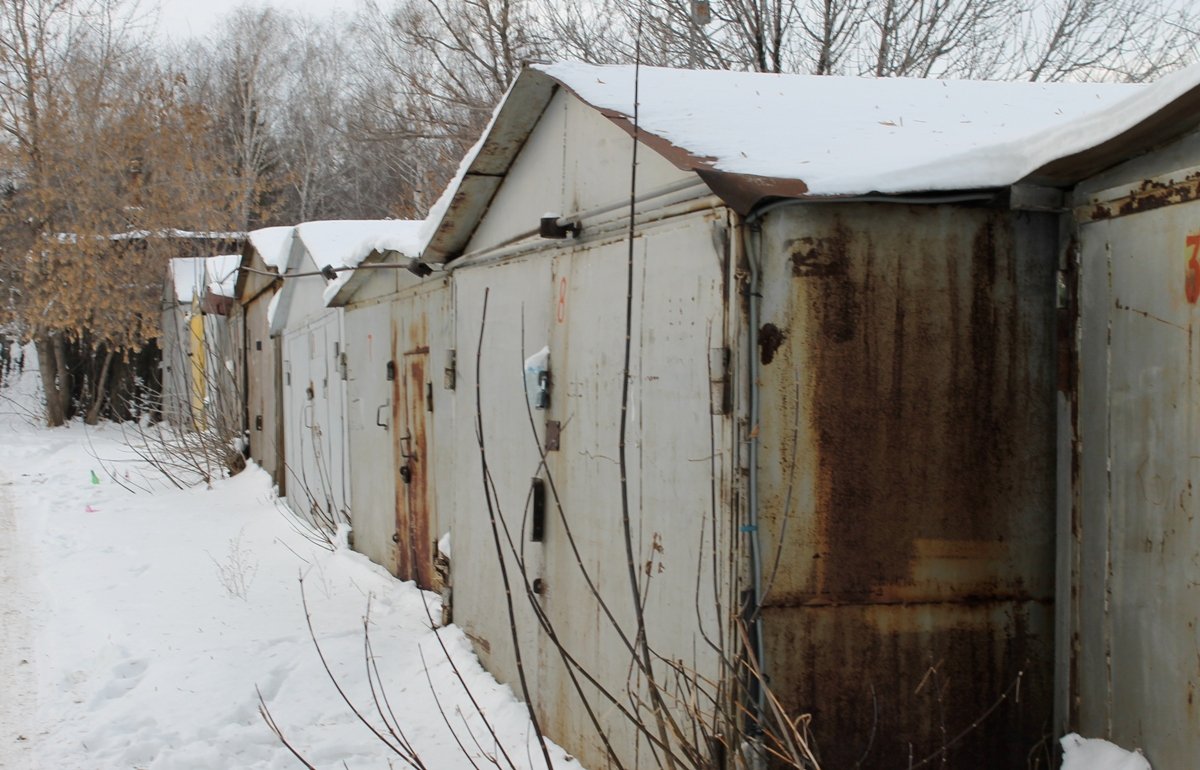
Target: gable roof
[(752, 136), (348, 243), (1159, 113), (337, 243), (265, 249), (187, 277), (273, 245), (222, 273)]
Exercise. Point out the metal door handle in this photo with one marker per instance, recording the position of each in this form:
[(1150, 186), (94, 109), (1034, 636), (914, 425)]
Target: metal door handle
[(378, 411)]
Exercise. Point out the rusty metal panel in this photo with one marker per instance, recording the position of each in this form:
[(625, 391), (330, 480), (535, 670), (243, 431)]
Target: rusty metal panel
[(907, 477), (414, 555), (424, 474), (263, 401), (1136, 665)]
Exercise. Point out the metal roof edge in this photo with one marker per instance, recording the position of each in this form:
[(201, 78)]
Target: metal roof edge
[(297, 252), (358, 278), (518, 113), (1160, 125)]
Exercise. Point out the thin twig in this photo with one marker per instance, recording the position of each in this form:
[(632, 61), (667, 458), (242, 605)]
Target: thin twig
[(274, 728)]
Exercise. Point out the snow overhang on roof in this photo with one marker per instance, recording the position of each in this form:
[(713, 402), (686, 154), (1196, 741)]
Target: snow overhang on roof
[(348, 243), (1158, 113), (753, 136), (222, 273), (273, 244), (187, 276)]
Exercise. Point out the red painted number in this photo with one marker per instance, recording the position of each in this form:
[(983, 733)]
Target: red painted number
[(561, 313), (1191, 281)]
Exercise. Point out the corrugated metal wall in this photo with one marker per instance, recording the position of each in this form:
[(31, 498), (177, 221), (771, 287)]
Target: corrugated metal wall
[(907, 477)]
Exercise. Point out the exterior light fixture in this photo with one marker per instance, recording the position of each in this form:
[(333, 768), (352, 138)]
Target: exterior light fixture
[(419, 268), (552, 228)]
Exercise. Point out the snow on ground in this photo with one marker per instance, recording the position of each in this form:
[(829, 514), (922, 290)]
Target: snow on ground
[(1096, 754), (149, 617), (138, 620), (17, 681)]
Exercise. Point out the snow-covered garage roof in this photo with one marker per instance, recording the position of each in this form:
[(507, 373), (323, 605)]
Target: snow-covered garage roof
[(222, 274), (187, 274), (842, 136), (273, 244), (752, 136), (343, 243), (336, 243)]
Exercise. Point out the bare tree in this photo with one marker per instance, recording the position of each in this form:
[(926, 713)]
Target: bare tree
[(1131, 40), (445, 65), (987, 39), (246, 78)]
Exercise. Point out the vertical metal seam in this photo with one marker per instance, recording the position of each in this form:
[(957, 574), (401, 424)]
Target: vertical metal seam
[(754, 257), (1108, 502)]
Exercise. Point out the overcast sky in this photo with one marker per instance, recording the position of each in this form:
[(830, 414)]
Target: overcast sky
[(195, 18)]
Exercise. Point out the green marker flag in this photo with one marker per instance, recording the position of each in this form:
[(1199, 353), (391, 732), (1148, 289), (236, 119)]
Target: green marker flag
[(95, 478)]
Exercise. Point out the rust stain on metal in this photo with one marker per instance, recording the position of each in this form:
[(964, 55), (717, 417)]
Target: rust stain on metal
[(414, 546), (927, 350), (399, 422), (1068, 386), (553, 435), (827, 258), (479, 641), (819, 257), (1065, 324), (918, 688), (770, 337), (1148, 196)]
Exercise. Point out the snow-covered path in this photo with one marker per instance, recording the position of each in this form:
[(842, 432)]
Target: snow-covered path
[(17, 681), (152, 616)]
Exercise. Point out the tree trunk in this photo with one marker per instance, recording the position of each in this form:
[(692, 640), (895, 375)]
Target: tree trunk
[(48, 367), (101, 391), (66, 382)]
